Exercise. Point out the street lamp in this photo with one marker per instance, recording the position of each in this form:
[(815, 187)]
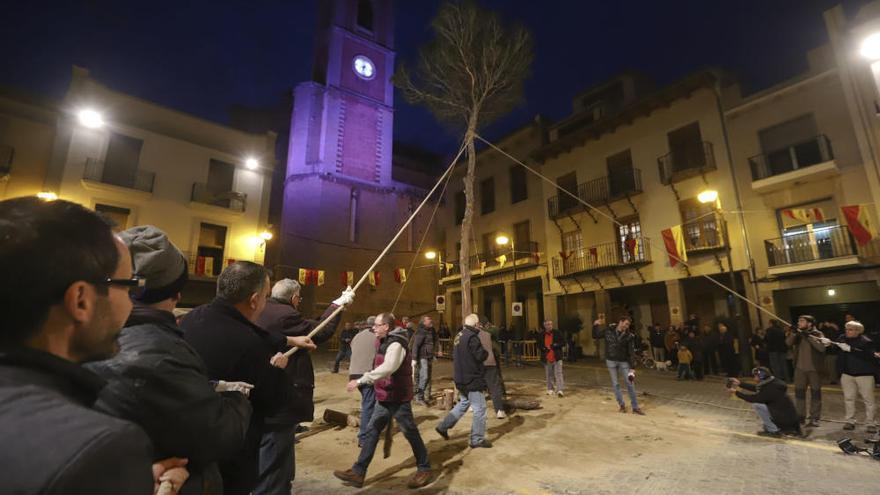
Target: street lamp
[(430, 255), (711, 196), (870, 48), (266, 235), (47, 196), (90, 118), (251, 163)]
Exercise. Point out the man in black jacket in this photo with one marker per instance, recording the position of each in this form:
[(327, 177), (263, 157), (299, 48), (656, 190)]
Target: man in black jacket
[(857, 365), (64, 281), (776, 350), (620, 355), (770, 401), (422, 349), (550, 344), (234, 348), (282, 316), (159, 382), (468, 355), (344, 353)]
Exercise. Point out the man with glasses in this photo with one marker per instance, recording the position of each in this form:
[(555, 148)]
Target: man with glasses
[(64, 281), (159, 382), (234, 348), (391, 378)]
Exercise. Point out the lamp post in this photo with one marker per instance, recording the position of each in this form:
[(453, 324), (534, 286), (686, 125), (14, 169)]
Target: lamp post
[(710, 196)]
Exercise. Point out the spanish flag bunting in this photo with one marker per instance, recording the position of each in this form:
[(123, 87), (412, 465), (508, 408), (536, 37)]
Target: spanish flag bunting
[(632, 247), (806, 215), (320, 277), (673, 240), (859, 223), (400, 275), (303, 276), (502, 260), (374, 278), (482, 268), (347, 279)]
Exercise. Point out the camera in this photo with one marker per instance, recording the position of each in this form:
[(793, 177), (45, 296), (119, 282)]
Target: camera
[(730, 383)]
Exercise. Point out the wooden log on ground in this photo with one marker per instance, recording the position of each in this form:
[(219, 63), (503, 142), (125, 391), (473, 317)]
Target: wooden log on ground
[(340, 418)]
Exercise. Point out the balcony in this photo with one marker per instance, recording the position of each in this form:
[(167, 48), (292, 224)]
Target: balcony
[(525, 257), (704, 234), (822, 249), (811, 160), (127, 177), (230, 200), (601, 257), (603, 190), (686, 161)]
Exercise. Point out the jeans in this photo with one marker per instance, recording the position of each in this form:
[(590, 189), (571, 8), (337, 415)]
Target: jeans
[(764, 413), (505, 351), (854, 386), (801, 379), (368, 402), (779, 366), (423, 390), (344, 353), (622, 367), (478, 427), (382, 414), (697, 368), (277, 458), (684, 371), (659, 354), (553, 374)]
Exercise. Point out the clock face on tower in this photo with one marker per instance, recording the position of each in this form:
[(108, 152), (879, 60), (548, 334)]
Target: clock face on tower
[(363, 67)]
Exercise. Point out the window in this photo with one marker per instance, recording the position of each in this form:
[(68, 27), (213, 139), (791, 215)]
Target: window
[(569, 183), (490, 250), (119, 216), (686, 148), (811, 232), (220, 178), (522, 236), (121, 161), (573, 256), (353, 215), (629, 237), (459, 207), (487, 196), (700, 225), (791, 145), (519, 190), (209, 255), (365, 15), (621, 177)]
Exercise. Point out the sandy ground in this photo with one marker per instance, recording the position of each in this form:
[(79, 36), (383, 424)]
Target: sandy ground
[(693, 440)]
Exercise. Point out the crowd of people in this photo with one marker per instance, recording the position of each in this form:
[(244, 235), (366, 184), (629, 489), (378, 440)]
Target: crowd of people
[(103, 387)]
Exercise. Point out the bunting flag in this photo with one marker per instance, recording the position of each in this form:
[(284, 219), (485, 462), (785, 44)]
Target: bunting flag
[(320, 277), (303, 276), (806, 215), (565, 254), (673, 239), (632, 247), (537, 257), (594, 256), (400, 275), (374, 278), (502, 260), (482, 268), (347, 279), (858, 223), (449, 267)]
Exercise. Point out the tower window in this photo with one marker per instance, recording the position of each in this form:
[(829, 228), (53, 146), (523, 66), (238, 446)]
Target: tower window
[(365, 14)]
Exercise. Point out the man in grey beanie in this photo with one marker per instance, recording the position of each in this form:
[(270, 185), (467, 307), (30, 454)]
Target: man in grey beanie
[(159, 382)]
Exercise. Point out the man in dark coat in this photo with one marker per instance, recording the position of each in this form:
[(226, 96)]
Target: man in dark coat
[(809, 358), (282, 316), (234, 348), (619, 358), (774, 339), (64, 281), (344, 353), (159, 382), (770, 401), (857, 365), (468, 374), (424, 343)]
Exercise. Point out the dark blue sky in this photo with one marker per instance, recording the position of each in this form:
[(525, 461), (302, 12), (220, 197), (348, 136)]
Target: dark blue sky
[(204, 56)]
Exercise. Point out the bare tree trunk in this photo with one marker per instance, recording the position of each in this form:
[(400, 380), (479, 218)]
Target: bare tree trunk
[(467, 221)]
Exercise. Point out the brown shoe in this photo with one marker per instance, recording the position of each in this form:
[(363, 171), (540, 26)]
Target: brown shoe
[(420, 479), (350, 477), (622, 409), (639, 412)]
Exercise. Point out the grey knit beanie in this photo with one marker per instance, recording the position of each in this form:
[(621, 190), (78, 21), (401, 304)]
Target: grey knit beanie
[(157, 260)]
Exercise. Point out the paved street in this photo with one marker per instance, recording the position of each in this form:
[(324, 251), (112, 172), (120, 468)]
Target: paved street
[(694, 439)]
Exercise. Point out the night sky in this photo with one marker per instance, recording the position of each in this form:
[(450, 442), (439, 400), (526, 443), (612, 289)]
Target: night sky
[(204, 56)]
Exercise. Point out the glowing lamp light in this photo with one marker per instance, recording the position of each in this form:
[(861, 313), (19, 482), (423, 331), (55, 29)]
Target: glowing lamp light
[(431, 255), (870, 48), (91, 119), (707, 196), (831, 292), (251, 163), (266, 235), (502, 239), (47, 196)]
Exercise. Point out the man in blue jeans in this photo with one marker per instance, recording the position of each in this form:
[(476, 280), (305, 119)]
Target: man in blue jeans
[(391, 378), (619, 355), (363, 352), (468, 355)]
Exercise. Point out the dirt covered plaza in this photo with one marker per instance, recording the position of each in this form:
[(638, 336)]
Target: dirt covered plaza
[(694, 439)]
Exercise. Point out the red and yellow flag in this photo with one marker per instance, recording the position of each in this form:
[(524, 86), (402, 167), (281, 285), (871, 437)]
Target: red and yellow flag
[(859, 223), (806, 215), (673, 240)]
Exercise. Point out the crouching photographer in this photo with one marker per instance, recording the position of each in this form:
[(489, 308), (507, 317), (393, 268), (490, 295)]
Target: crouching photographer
[(769, 400)]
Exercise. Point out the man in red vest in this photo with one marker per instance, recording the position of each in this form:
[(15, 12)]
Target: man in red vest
[(391, 378)]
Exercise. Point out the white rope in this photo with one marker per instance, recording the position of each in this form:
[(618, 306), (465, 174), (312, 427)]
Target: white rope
[(400, 232), (614, 221), (419, 249)]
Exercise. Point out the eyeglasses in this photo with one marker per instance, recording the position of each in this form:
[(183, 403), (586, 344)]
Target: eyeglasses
[(134, 282)]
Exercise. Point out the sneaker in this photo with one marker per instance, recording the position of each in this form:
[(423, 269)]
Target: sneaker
[(484, 444), (769, 434), (420, 479), (560, 394), (442, 433), (350, 477), (638, 411), (622, 409), (813, 423), (549, 392), (849, 426), (500, 415)]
